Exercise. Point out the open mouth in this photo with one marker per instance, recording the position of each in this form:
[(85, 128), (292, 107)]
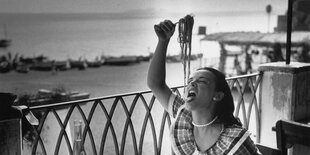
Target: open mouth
[(191, 96)]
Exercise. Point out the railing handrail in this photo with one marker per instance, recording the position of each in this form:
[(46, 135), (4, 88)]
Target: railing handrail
[(244, 76), (122, 94)]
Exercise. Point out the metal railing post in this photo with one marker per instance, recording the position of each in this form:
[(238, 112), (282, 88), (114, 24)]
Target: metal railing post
[(10, 126), (289, 31)]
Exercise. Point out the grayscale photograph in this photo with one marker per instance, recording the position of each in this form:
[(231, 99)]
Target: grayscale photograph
[(154, 77)]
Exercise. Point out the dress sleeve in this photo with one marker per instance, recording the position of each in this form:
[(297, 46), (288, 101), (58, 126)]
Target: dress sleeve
[(174, 104), (251, 147), (245, 146)]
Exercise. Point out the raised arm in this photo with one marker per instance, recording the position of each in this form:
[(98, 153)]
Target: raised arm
[(156, 78)]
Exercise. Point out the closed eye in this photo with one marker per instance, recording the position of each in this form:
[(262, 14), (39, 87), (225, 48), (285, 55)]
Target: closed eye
[(200, 80), (204, 81)]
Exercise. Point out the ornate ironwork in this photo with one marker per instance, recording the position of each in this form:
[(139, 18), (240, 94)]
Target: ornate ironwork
[(130, 122)]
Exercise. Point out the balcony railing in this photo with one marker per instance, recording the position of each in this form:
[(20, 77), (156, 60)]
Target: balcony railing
[(132, 123)]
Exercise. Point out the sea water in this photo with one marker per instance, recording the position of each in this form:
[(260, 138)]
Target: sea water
[(74, 36)]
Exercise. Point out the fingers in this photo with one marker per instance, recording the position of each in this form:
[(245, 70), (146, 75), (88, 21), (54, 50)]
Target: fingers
[(157, 28), (166, 26), (164, 30)]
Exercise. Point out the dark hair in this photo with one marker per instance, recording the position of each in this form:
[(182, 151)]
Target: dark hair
[(224, 109)]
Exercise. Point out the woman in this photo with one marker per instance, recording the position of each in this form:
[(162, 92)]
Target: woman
[(204, 121)]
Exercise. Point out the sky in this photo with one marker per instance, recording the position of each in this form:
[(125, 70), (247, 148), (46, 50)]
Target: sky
[(103, 6)]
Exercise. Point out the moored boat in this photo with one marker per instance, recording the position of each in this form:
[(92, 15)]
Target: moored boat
[(45, 96), (81, 65), (4, 66), (4, 43), (42, 66), (22, 68), (62, 65), (121, 61), (94, 64)]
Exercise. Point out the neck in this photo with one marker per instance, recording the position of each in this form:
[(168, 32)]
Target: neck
[(202, 117)]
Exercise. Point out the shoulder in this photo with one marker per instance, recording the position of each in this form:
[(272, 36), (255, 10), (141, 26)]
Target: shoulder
[(234, 139), (239, 141), (231, 135), (233, 131)]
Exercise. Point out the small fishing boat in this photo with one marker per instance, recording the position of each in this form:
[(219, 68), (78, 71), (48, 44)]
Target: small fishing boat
[(5, 67), (50, 65), (121, 61), (79, 64), (62, 65), (42, 66), (4, 43), (22, 68), (94, 64), (45, 96)]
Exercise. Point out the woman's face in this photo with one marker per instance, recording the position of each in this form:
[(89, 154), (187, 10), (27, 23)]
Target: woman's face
[(200, 90)]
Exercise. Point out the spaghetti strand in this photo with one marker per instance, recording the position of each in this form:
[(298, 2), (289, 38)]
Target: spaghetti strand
[(185, 40)]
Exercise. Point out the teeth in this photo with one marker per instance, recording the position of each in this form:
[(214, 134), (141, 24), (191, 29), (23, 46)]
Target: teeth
[(191, 93)]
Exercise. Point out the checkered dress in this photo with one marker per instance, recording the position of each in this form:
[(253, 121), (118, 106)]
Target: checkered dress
[(232, 140)]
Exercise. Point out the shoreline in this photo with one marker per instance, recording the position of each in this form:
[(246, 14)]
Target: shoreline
[(102, 81)]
